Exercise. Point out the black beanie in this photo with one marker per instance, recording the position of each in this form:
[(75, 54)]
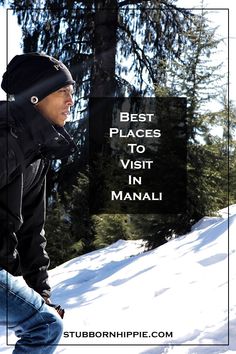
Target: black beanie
[(33, 76)]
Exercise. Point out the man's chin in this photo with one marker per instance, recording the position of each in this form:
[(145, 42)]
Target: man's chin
[(68, 119), (61, 124), (63, 121)]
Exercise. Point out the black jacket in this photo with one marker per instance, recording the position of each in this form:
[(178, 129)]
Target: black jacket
[(27, 143)]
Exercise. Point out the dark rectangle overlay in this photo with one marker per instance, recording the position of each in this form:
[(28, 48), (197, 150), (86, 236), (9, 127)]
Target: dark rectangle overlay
[(138, 149)]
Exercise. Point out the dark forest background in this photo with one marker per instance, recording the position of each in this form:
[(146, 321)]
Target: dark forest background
[(123, 49)]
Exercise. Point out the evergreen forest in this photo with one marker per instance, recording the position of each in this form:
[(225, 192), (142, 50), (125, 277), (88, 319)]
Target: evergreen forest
[(132, 48)]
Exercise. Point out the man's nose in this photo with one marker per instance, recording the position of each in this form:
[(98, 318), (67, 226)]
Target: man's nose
[(69, 99)]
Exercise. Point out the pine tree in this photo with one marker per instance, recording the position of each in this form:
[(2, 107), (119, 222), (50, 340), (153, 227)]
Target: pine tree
[(225, 118), (193, 75), (81, 223), (98, 39), (58, 235), (110, 228)]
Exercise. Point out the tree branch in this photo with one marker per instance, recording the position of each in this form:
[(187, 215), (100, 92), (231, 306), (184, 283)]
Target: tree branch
[(142, 58), (129, 2)]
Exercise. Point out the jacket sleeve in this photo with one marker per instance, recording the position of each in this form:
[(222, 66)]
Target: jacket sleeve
[(11, 159), (34, 260)]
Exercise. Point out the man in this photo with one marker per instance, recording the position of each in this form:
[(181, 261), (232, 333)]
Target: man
[(31, 134)]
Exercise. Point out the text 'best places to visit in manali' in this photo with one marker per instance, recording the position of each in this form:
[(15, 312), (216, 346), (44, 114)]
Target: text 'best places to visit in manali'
[(138, 155)]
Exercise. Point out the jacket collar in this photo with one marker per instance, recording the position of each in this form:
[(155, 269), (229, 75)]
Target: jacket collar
[(45, 139)]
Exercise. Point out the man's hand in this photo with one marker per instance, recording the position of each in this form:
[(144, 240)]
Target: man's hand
[(58, 308), (47, 300)]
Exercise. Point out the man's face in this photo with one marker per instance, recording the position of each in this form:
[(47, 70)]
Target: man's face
[(56, 106)]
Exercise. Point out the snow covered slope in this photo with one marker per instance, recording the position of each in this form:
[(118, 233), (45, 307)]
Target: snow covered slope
[(176, 294)]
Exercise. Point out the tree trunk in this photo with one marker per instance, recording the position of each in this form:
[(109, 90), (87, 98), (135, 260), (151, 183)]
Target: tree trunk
[(103, 89), (103, 82), (105, 28)]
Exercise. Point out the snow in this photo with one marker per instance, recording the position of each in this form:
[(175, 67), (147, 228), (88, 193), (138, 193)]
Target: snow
[(180, 287)]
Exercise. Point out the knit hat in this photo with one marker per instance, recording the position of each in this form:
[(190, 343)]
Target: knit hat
[(33, 76)]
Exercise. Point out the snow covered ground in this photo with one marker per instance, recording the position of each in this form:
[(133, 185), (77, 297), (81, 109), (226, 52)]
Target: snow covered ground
[(178, 293)]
